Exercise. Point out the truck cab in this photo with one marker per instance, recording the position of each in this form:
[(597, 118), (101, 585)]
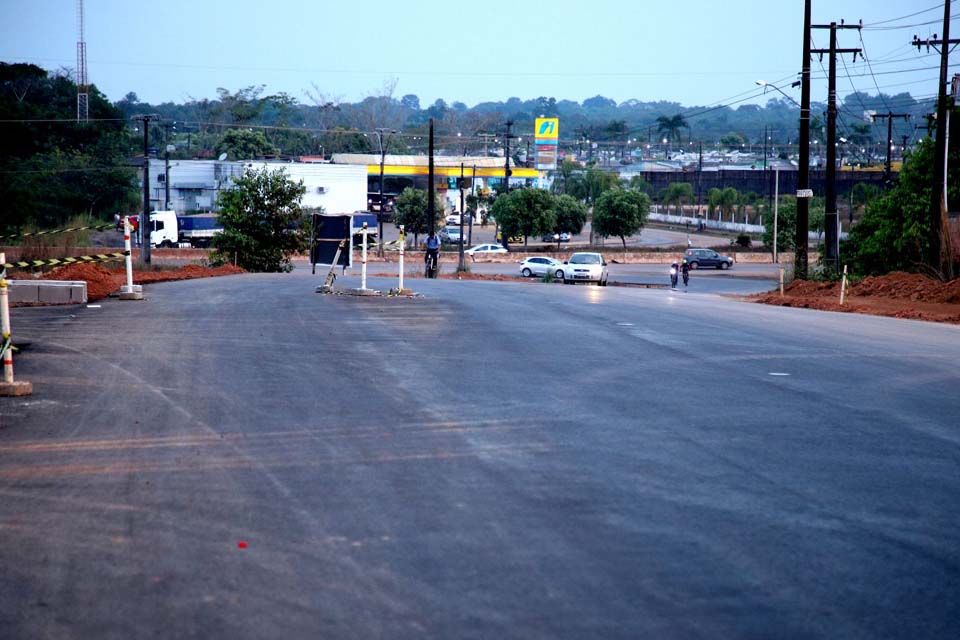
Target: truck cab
[(163, 229)]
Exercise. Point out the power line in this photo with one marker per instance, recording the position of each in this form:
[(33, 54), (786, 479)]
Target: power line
[(908, 26), (909, 15)]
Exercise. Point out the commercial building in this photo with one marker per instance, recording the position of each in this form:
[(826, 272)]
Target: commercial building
[(194, 185)]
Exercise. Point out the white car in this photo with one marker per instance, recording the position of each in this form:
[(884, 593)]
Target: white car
[(454, 218), (482, 250), (541, 266), (450, 234), (586, 267)]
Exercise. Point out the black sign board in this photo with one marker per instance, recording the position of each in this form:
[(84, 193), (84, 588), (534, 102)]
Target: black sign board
[(328, 231)]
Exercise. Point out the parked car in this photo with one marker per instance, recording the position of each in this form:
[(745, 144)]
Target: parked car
[(482, 250), (585, 266), (541, 266), (454, 218), (697, 258), (555, 237), (450, 234)]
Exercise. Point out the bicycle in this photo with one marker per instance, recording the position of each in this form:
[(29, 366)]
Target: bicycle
[(431, 264)]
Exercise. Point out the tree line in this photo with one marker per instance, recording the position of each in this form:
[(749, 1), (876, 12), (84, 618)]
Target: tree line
[(53, 168)]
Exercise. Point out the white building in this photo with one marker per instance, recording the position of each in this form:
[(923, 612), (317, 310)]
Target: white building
[(195, 184)]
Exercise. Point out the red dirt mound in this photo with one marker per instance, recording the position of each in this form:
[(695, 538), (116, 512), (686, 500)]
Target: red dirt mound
[(102, 281), (898, 294)]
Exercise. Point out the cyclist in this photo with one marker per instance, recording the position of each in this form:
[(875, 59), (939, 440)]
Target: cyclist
[(674, 272), (685, 272), (433, 250)]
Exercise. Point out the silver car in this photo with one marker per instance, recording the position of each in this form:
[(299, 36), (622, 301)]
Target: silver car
[(541, 266), (586, 267)]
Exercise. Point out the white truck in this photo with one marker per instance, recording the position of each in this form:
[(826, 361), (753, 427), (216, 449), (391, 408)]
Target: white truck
[(170, 230)]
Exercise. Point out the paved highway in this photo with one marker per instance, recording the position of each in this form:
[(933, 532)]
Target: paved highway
[(243, 458)]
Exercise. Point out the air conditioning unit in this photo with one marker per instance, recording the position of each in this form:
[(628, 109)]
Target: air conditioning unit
[(321, 189)]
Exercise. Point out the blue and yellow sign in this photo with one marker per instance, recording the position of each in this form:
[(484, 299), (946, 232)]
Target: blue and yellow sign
[(546, 133), (547, 128)]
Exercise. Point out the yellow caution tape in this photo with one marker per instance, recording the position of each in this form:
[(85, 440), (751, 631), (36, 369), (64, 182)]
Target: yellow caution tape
[(30, 264), (98, 227)]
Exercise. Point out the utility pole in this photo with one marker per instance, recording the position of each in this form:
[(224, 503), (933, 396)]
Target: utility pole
[(380, 131), (486, 138), (476, 205), (831, 219), (699, 178), (145, 217), (766, 178), (166, 163), (506, 164), (802, 239), (887, 172), (939, 253), (431, 204), (460, 264)]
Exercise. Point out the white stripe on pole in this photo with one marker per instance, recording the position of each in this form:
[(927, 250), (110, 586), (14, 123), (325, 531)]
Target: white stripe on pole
[(126, 246), (7, 354), (402, 243), (363, 270)]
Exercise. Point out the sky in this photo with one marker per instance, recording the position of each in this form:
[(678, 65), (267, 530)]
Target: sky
[(697, 52)]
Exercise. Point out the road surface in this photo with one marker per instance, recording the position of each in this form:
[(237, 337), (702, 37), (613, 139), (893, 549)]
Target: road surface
[(240, 457)]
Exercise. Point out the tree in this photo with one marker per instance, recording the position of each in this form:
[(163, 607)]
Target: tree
[(861, 195), (894, 231), (240, 144), (747, 200), (677, 193), (51, 169), (620, 213), (526, 212), (570, 215), (671, 126), (733, 140), (723, 200), (568, 171), (411, 208), (263, 224), (787, 222), (241, 107)]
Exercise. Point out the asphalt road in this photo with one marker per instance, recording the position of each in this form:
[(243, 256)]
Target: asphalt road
[(743, 279), (243, 458)]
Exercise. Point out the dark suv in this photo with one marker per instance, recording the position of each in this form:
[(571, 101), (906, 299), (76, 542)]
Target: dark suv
[(697, 258)]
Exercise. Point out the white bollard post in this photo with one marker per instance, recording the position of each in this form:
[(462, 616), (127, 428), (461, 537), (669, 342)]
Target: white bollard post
[(781, 281), (402, 243), (129, 292), (363, 264), (8, 387), (126, 247), (843, 285)]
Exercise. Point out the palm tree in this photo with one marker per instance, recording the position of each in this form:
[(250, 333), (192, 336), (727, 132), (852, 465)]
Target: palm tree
[(671, 125)]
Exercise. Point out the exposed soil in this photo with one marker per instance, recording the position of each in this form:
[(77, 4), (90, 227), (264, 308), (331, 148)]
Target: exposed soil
[(897, 294), (102, 281)]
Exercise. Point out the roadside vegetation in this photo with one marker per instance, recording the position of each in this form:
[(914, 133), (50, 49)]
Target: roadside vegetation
[(56, 172)]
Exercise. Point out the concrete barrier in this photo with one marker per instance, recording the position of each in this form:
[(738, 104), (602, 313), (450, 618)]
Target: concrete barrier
[(48, 291)]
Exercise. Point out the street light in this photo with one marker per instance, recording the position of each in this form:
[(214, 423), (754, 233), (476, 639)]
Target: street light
[(766, 84)]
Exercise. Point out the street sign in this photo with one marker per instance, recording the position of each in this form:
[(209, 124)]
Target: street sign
[(804, 193)]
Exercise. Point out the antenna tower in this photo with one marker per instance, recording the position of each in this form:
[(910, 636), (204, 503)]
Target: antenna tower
[(83, 102)]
